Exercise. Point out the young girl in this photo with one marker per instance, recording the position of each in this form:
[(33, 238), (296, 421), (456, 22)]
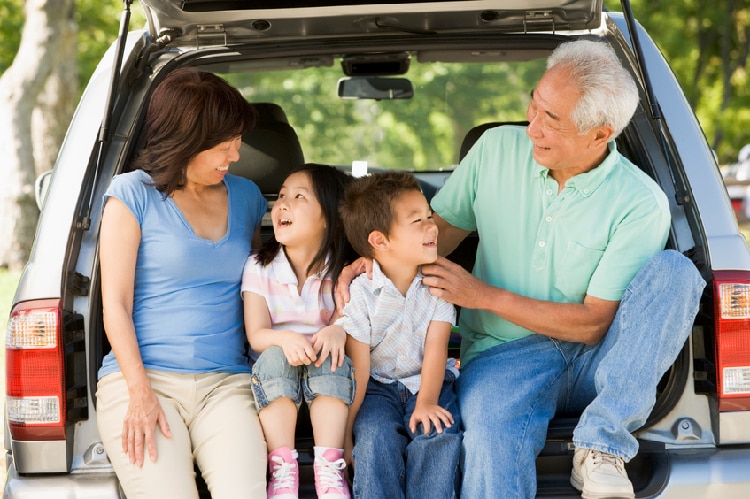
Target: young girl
[(288, 292)]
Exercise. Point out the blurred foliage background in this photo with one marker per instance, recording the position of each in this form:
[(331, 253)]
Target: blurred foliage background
[(98, 22), (421, 134), (706, 44)]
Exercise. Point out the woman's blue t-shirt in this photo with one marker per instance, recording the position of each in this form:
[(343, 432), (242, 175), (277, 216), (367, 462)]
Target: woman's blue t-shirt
[(187, 307)]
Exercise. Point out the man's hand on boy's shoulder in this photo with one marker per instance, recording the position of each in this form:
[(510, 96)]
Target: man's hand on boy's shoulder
[(451, 282), (348, 274)]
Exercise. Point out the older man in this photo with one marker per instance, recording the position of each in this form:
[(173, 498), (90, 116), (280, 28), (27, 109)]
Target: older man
[(572, 306)]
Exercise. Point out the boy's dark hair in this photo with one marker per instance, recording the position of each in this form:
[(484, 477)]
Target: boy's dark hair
[(190, 111), (328, 185), (368, 206)]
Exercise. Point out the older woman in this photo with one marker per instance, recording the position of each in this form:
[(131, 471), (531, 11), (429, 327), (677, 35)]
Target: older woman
[(175, 234)]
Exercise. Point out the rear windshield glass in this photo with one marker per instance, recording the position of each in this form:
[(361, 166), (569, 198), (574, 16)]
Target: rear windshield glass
[(421, 133)]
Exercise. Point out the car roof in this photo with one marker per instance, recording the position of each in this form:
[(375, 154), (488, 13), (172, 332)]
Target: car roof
[(239, 20)]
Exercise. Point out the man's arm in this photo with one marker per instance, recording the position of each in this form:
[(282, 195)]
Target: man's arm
[(449, 237), (585, 322)]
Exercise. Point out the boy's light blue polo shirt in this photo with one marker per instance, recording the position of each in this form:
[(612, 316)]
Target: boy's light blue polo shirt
[(591, 238)]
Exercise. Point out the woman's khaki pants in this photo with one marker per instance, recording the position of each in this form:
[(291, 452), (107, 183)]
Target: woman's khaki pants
[(214, 423)]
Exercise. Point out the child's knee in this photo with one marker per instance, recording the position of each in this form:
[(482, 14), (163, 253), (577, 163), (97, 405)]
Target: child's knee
[(273, 378), (338, 384)]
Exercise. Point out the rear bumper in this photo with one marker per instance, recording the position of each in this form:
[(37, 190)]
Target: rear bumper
[(102, 485), (691, 474), (703, 473)]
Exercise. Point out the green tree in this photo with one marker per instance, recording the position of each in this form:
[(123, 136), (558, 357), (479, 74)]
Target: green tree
[(97, 21), (11, 22), (707, 44)]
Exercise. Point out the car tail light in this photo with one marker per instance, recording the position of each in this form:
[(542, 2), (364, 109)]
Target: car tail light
[(732, 325), (35, 372), (737, 206)]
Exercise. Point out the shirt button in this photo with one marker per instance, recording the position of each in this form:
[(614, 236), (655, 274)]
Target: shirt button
[(585, 191), (548, 219), (548, 192), (542, 244)]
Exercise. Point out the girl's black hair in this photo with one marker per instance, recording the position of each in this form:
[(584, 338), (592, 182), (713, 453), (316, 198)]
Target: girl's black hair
[(328, 185)]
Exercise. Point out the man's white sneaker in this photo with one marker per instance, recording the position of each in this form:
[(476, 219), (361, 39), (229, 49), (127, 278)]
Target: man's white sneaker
[(599, 475)]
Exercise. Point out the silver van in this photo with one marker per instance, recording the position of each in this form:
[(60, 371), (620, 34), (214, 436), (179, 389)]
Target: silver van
[(405, 85)]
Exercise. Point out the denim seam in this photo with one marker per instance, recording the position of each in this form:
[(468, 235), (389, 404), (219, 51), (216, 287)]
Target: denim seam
[(524, 438)]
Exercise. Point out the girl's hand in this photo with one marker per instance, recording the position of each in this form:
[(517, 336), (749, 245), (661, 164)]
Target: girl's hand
[(298, 350), (348, 274), (330, 340), (143, 416), (430, 413)]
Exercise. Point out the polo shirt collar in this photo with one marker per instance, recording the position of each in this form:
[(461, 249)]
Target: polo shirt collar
[(380, 280), (284, 272), (587, 183)]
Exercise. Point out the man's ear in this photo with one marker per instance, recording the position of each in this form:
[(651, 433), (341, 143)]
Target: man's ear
[(378, 240), (603, 134)]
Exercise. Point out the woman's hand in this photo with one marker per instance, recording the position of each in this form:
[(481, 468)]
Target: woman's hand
[(348, 273), (330, 340), (138, 429)]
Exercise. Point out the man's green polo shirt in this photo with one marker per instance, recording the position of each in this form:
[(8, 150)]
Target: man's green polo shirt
[(591, 238)]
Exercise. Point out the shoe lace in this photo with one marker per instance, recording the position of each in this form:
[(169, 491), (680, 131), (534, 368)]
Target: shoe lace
[(330, 474), (283, 473), (599, 457)]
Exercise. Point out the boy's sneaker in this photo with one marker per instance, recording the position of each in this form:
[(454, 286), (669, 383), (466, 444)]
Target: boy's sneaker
[(283, 482), (600, 475), (330, 482)]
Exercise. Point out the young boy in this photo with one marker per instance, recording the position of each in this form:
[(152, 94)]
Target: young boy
[(404, 423)]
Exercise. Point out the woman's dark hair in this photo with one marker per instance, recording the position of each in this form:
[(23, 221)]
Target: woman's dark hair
[(328, 185), (190, 111)]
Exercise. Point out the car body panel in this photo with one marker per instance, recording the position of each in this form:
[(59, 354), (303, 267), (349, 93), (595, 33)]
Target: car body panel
[(238, 20)]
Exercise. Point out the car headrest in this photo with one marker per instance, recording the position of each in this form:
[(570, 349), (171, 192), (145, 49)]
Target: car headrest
[(473, 135), (270, 151)]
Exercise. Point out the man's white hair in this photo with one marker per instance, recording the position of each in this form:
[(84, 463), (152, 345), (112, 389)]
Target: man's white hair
[(609, 95)]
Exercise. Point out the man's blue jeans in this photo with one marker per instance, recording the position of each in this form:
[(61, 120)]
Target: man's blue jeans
[(392, 462), (509, 393)]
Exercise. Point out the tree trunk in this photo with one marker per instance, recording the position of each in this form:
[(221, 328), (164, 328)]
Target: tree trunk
[(20, 86), (57, 102)]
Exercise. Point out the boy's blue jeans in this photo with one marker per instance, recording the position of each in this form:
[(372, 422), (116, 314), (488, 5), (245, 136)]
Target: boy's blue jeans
[(509, 393), (392, 462)]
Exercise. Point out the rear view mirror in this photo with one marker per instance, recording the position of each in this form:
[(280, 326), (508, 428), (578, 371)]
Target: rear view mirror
[(375, 87), (41, 188)]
